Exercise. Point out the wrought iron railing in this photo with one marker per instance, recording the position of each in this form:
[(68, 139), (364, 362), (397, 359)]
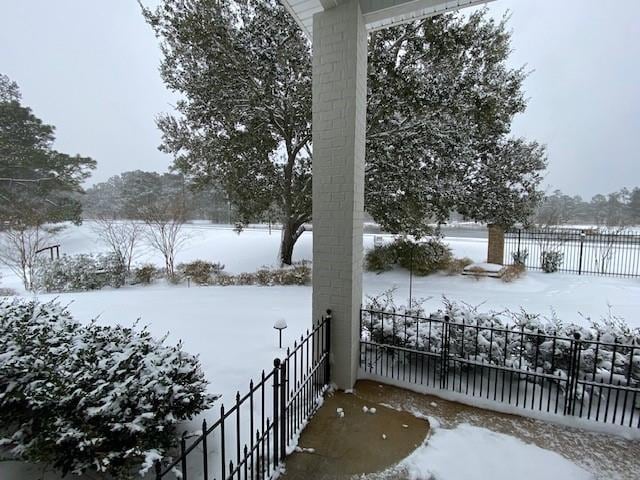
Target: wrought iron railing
[(597, 379), (581, 251), (250, 439)]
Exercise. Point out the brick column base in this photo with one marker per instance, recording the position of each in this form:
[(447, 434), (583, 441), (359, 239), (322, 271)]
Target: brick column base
[(495, 248)]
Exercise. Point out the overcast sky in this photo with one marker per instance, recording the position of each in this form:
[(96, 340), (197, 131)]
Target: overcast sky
[(90, 67)]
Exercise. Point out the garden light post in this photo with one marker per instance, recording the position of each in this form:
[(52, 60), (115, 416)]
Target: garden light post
[(280, 325)]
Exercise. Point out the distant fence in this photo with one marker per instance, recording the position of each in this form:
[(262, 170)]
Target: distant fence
[(250, 439), (582, 251), (595, 378)]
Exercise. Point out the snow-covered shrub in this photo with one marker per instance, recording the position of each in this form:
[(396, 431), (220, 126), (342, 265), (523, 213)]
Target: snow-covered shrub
[(246, 279), (424, 257), (201, 272), (224, 279), (520, 257), (512, 272), (297, 274), (380, 258), (80, 272), (520, 340), (264, 276), (88, 397), (551, 261), (146, 273), (457, 265)]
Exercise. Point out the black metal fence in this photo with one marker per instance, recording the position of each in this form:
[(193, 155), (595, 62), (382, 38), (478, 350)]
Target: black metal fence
[(581, 251), (250, 439), (597, 379)]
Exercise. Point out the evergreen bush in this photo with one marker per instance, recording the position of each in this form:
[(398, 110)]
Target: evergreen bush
[(83, 398), (423, 258), (80, 272), (201, 272), (380, 258), (146, 274), (551, 261)]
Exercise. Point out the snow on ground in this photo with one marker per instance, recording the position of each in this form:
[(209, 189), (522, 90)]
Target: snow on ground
[(231, 328), (468, 452), (568, 294)]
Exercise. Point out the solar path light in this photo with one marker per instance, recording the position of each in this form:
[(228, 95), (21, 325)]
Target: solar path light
[(280, 325)]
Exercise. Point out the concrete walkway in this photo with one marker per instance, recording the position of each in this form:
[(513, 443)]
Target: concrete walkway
[(356, 443), (352, 446)]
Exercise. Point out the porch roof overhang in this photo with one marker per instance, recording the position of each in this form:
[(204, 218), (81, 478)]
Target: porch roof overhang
[(377, 13)]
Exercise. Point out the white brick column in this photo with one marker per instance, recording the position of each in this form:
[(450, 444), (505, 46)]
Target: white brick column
[(339, 121)]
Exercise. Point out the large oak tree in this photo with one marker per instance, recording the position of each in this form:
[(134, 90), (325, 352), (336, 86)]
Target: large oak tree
[(440, 104)]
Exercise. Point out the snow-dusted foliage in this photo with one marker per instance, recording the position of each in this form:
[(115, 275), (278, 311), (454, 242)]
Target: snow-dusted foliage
[(521, 340), (551, 261), (80, 272), (439, 142), (200, 271), (520, 256), (297, 274), (89, 397), (207, 273), (145, 274), (422, 258)]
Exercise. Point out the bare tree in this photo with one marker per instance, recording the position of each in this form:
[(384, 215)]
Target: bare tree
[(607, 245), (164, 232), (19, 249), (121, 236)]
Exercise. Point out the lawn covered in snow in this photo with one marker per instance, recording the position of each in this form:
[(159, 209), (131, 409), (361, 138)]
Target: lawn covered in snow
[(571, 296), (231, 328)]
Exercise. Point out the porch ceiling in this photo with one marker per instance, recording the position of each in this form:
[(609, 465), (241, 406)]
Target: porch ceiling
[(377, 13)]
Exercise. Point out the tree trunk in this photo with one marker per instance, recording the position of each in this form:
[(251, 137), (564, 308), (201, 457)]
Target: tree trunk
[(290, 234)]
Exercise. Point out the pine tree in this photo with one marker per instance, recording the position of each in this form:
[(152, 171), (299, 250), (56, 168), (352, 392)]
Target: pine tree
[(37, 183)]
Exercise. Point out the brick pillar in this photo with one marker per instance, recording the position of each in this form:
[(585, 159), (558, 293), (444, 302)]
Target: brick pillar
[(495, 248), (339, 120)]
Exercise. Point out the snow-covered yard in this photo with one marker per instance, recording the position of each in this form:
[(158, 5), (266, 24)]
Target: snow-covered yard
[(231, 328)]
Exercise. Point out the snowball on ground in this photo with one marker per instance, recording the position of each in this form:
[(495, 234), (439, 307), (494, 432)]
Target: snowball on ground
[(474, 453)]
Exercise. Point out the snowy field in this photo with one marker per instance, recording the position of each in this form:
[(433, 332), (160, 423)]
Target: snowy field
[(231, 328)]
